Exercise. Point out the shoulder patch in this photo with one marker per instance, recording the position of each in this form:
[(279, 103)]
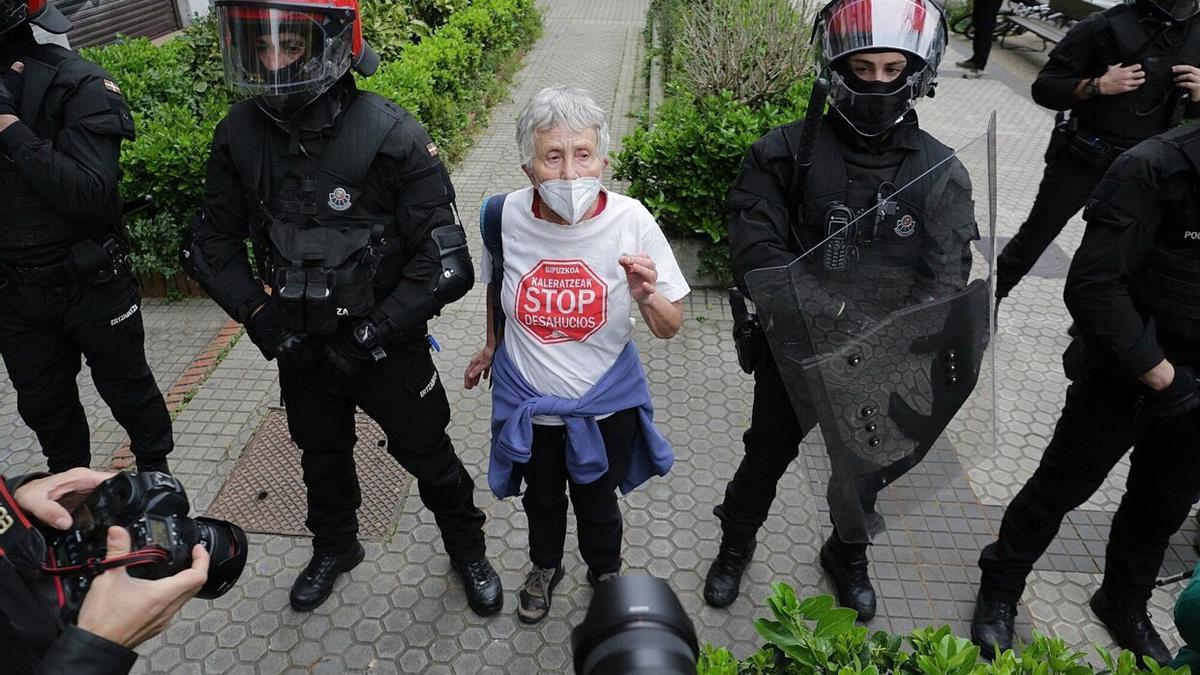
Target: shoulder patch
[(112, 86)]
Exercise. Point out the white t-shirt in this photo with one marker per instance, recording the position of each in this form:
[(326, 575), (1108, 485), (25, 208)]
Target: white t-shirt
[(565, 294)]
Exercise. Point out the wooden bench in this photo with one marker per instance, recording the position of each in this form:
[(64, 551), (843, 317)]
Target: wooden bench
[(1048, 32)]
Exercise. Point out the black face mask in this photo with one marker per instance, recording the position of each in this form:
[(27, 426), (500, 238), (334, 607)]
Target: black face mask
[(872, 108)]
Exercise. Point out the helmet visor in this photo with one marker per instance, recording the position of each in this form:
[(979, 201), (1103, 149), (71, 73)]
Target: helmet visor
[(913, 26), (278, 52)]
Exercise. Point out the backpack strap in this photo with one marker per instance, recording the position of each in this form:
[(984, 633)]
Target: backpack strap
[(491, 217)]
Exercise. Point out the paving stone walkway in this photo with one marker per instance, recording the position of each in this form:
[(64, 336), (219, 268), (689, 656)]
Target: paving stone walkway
[(403, 611)]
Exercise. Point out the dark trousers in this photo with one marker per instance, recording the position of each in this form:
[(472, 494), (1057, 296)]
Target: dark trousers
[(983, 16), (771, 444), (45, 330), (595, 503), (404, 395), (1066, 185), (1098, 425)]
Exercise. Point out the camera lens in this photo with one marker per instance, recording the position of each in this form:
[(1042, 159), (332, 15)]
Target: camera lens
[(226, 546), (635, 625)]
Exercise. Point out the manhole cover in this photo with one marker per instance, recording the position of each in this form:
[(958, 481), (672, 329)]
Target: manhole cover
[(265, 492)]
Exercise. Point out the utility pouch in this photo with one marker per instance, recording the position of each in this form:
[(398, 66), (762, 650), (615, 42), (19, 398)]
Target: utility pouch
[(1093, 149), (291, 298), (98, 263), (748, 337), (353, 291), (1065, 127), (320, 312)]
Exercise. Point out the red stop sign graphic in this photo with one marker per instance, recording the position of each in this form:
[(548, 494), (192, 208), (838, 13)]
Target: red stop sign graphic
[(561, 301)]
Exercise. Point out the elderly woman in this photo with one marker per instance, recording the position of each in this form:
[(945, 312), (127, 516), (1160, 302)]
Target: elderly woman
[(567, 261)]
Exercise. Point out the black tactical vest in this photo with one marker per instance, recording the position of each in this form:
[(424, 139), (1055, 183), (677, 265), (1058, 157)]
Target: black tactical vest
[(1146, 111), (314, 234), (29, 222), (889, 241), (1168, 283)]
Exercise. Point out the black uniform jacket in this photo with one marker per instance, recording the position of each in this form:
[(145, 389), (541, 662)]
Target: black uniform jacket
[(69, 155), (407, 179), (763, 210), (1148, 198), (1087, 50)]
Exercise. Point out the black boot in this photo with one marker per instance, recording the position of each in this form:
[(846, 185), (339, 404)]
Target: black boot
[(159, 466), (485, 595), (993, 624), (315, 583), (725, 573), (851, 580), (1129, 625)]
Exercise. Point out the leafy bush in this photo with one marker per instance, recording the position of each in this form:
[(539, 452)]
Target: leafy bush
[(754, 49), (682, 167), (436, 12), (177, 96), (735, 69), (815, 637), (388, 26)]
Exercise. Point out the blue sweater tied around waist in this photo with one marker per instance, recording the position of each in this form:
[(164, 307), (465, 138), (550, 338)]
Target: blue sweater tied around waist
[(515, 402)]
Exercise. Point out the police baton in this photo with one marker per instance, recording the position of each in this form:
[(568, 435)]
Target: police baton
[(812, 126)]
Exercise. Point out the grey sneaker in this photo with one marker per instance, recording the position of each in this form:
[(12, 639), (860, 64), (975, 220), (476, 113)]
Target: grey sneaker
[(595, 580), (970, 70), (533, 600)]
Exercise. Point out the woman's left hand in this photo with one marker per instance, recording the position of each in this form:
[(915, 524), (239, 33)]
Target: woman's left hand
[(641, 274)]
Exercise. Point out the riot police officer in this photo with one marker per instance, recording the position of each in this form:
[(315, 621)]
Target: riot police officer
[(1132, 290), (66, 285), (350, 212), (1125, 74), (881, 58)]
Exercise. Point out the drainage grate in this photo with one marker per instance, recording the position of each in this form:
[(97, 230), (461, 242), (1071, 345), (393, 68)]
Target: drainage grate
[(265, 492)]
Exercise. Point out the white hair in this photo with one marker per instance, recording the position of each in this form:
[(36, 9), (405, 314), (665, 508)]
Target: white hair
[(561, 106)]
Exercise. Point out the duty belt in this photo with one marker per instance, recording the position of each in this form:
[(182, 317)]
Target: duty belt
[(88, 261)]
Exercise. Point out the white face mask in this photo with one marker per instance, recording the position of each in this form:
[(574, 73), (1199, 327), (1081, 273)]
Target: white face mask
[(570, 199)]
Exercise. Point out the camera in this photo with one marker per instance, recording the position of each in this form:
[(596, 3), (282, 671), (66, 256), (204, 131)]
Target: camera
[(153, 507), (635, 626)]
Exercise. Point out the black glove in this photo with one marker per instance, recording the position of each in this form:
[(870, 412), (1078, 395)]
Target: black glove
[(1179, 397), (353, 347), (10, 91), (266, 331)]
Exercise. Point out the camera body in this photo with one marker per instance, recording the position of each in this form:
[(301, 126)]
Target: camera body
[(153, 507)]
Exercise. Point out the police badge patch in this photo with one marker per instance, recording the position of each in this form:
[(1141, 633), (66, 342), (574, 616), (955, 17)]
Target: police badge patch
[(905, 226), (339, 199)]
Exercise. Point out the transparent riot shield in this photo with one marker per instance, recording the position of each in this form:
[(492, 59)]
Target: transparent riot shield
[(882, 334)]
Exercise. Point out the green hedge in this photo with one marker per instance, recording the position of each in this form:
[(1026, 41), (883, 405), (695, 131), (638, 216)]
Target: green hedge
[(813, 637), (683, 165), (684, 157), (447, 78)]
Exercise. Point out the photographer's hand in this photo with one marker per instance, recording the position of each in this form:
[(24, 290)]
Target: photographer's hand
[(40, 498), (129, 611)]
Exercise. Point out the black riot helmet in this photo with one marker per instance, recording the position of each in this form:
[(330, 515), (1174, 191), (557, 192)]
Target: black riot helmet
[(41, 13), (286, 53), (1168, 11), (914, 28)]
